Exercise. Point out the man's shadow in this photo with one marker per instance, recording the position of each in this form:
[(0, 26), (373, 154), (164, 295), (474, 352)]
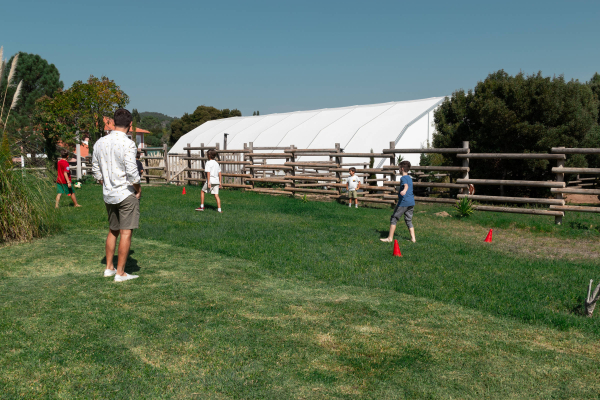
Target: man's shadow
[(131, 265)]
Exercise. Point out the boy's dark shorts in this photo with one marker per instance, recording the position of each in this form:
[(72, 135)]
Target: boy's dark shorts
[(399, 211), (125, 215)]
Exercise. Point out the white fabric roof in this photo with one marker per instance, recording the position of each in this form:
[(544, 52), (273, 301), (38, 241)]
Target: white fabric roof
[(358, 129)]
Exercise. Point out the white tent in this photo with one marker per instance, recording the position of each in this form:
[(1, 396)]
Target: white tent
[(358, 129)]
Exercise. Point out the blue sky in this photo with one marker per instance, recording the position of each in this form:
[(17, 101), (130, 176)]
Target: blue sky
[(279, 56)]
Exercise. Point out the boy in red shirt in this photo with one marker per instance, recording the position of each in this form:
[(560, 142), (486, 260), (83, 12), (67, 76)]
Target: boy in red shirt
[(63, 180)]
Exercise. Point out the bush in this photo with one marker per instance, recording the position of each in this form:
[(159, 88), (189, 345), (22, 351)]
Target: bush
[(520, 114), (87, 178), (26, 205), (464, 207)]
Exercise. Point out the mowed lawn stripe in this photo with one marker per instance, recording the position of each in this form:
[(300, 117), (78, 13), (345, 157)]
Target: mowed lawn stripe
[(202, 324)]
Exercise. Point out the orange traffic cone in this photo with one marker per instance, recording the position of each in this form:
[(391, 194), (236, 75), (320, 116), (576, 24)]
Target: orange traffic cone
[(183, 190), (397, 249), (488, 238)]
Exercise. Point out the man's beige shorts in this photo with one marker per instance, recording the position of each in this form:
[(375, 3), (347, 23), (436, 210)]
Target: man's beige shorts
[(125, 215), (353, 194), (214, 189)]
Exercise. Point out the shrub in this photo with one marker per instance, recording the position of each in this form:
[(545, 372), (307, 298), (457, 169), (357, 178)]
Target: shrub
[(26, 206), (520, 114), (464, 207)]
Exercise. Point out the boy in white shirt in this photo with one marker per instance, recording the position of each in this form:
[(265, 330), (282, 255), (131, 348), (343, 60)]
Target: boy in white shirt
[(352, 185), (213, 180)]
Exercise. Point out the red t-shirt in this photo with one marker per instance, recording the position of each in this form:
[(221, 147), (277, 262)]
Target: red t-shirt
[(62, 166)]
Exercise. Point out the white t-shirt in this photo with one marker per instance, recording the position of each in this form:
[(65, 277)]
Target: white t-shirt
[(213, 168), (353, 182)]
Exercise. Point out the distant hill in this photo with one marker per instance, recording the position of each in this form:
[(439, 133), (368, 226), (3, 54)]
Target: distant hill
[(161, 117)]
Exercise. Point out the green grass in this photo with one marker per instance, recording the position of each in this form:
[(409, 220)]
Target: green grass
[(277, 298), (337, 245)]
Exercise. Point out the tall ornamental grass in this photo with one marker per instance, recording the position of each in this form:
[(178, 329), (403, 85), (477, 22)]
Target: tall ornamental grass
[(26, 203), (25, 200)]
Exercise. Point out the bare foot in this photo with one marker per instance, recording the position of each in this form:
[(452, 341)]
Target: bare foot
[(387, 240), (78, 205)]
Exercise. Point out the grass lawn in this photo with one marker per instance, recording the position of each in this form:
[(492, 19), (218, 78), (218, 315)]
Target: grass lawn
[(276, 298)]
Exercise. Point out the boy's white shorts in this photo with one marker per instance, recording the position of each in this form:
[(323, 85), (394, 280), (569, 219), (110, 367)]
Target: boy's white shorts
[(214, 189)]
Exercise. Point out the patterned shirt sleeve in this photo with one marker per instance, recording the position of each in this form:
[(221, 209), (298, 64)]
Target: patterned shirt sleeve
[(133, 175), (96, 164)]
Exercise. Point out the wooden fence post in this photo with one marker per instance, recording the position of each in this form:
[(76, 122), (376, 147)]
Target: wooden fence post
[(146, 164), (560, 177), (252, 159), (338, 175), (166, 157), (393, 162), (189, 163), (465, 162), (243, 169), (292, 159), (202, 164)]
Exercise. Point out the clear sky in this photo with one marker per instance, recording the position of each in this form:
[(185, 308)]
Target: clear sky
[(279, 56)]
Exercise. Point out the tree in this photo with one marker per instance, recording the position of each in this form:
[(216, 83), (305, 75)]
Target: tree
[(136, 116), (517, 114), (39, 79), (594, 84), (152, 140), (151, 123), (181, 126), (254, 113), (81, 108)]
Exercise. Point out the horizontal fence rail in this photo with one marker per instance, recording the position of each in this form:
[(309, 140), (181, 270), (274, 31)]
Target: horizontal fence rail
[(289, 171)]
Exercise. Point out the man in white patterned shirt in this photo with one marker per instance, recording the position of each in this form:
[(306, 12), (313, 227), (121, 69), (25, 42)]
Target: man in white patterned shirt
[(113, 164)]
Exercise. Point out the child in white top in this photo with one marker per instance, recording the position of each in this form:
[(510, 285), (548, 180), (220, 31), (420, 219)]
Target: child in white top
[(352, 185), (213, 180)]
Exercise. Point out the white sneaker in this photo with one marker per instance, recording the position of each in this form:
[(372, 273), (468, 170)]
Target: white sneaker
[(126, 277), (109, 272)]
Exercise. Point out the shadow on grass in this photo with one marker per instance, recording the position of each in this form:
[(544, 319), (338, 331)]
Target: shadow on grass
[(383, 233), (578, 307), (583, 227), (131, 265)]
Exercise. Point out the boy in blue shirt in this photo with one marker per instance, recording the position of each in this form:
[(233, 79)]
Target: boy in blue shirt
[(405, 206)]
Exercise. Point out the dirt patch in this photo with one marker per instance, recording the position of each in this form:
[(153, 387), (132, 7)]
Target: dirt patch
[(581, 199), (516, 241), (442, 214)]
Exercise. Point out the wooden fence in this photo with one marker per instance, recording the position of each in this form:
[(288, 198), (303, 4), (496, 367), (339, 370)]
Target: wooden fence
[(322, 172)]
